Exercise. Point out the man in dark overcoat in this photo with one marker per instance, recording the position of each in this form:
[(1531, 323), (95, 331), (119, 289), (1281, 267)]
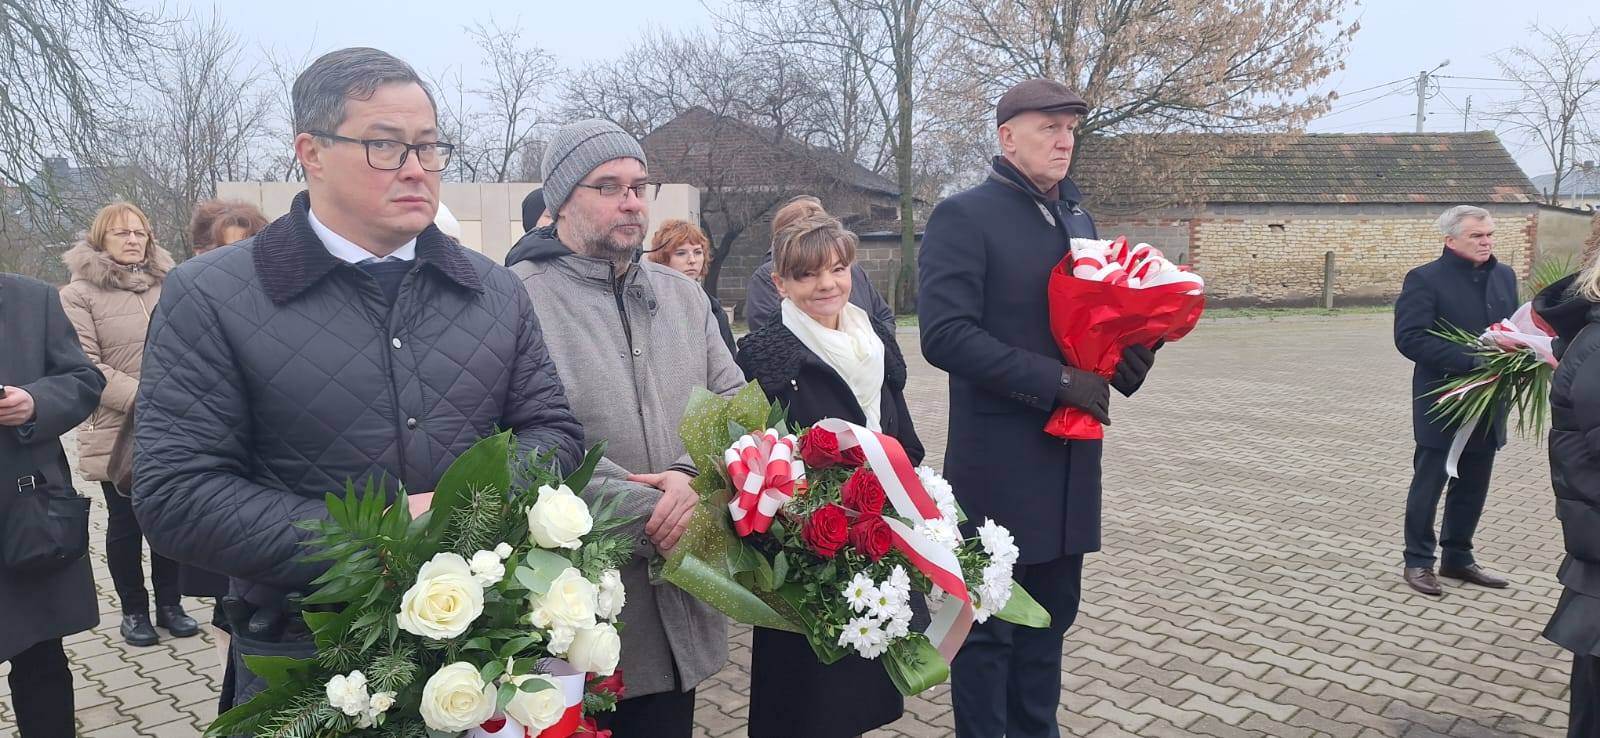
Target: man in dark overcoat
[(1466, 287), (49, 387), (984, 312)]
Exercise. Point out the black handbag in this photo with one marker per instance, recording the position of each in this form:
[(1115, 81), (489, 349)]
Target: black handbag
[(44, 522)]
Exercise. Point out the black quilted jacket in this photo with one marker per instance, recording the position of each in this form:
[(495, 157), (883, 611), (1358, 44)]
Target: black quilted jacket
[(274, 372)]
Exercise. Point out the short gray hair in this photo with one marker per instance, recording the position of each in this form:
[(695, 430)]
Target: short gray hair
[(320, 91), (1450, 222)]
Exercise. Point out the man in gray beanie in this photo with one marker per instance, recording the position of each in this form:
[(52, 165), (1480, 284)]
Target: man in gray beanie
[(623, 331)]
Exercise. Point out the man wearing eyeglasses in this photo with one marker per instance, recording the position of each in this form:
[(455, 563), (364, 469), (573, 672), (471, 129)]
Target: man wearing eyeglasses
[(348, 340), (631, 340)]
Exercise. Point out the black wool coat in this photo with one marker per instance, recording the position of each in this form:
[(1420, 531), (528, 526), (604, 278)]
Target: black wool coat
[(1450, 290), (983, 304), (40, 354)]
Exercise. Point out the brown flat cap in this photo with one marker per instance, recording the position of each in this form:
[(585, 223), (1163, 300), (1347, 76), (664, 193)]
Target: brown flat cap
[(1046, 95)]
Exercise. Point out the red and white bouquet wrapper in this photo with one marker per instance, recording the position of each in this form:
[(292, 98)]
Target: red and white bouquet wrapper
[(1523, 330), (571, 683), (1106, 296), (765, 471)]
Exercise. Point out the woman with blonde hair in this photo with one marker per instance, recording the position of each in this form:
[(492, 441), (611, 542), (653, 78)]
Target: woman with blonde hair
[(117, 271), (823, 358), (681, 246)]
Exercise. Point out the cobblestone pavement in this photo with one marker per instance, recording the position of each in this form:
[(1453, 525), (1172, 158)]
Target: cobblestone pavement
[(1249, 582)]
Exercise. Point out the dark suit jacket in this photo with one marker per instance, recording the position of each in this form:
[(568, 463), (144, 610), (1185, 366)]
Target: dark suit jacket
[(1450, 290), (985, 267), (39, 353)]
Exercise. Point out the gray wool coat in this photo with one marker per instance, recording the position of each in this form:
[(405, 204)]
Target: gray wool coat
[(629, 352)]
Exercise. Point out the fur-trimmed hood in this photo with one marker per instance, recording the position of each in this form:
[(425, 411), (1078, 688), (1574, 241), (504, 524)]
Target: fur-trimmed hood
[(92, 265)]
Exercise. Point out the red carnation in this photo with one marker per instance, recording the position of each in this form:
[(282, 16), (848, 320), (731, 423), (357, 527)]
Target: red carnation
[(611, 685), (826, 530), (871, 536), (819, 449), (863, 492)]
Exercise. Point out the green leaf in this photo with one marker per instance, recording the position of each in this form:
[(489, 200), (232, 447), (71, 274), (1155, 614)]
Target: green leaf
[(535, 685), (579, 478), (780, 567), (518, 645), (914, 665), (1022, 609), (539, 569), (485, 465), (492, 671)]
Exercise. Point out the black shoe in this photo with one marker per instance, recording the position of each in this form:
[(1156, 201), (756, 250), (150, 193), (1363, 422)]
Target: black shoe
[(176, 621), (1422, 580), (1474, 574), (137, 630)]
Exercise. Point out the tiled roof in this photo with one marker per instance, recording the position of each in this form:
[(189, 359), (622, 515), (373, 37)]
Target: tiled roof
[(1575, 184), (690, 147), (1128, 172)]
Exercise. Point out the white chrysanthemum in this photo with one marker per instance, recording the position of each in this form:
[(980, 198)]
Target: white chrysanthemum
[(561, 639), (865, 636), (998, 543), (860, 592), (942, 533), (898, 627), (888, 604), (898, 580), (979, 612)]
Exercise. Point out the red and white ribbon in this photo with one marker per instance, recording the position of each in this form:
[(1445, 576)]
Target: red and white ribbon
[(570, 681), (764, 469), (902, 487)]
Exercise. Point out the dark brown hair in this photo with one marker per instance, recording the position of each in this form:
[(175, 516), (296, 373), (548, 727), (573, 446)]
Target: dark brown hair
[(810, 243), (212, 217)]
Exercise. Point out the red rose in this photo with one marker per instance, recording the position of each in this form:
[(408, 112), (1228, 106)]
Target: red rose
[(610, 685), (871, 536), (853, 457), (863, 492), (589, 728), (819, 449), (826, 530)]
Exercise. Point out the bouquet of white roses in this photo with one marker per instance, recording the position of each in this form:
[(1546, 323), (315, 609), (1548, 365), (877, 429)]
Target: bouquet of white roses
[(493, 613)]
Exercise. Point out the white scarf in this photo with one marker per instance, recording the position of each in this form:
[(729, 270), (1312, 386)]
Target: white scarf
[(854, 351)]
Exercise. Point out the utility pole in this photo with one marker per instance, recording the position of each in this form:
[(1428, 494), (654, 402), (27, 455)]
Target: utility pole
[(1466, 114), (1422, 93)]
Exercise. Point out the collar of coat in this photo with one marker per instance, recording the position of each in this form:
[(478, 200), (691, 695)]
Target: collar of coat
[(290, 258), (1456, 260), (1007, 174), (96, 267), (635, 281), (774, 355)]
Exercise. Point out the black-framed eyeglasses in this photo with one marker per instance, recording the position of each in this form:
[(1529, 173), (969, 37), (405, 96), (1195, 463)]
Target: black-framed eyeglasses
[(388, 154), (612, 190)]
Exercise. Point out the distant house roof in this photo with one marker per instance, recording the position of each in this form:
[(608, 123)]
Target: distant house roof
[(1576, 184), (1317, 168), (747, 155)]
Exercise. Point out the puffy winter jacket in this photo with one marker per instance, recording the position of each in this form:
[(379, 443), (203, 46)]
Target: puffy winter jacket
[(276, 372)]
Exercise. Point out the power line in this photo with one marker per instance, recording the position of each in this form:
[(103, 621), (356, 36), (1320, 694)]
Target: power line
[(1363, 103), (1374, 87)]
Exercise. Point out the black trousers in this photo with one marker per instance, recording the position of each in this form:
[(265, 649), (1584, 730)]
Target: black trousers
[(1584, 719), (124, 556), (661, 715), (1006, 680), (41, 691), (1463, 506)]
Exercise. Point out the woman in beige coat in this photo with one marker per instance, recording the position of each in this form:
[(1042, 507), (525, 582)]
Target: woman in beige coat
[(117, 272)]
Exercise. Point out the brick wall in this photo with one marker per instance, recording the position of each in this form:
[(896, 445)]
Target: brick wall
[(1277, 257)]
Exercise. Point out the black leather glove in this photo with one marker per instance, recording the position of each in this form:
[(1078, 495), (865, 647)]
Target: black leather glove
[(1131, 371), (1086, 391)]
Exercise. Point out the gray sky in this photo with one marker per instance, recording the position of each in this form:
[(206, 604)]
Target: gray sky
[(1398, 38)]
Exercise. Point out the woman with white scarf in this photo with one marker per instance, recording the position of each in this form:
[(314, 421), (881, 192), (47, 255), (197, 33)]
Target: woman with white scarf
[(824, 359)]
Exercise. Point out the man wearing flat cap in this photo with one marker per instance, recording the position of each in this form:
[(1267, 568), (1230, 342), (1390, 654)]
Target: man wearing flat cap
[(984, 311)]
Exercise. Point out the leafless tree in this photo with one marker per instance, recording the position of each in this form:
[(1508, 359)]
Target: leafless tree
[(512, 94), (1557, 77)]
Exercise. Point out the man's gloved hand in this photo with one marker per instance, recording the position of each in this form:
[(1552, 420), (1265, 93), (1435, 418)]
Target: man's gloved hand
[(1131, 371), (1086, 391)]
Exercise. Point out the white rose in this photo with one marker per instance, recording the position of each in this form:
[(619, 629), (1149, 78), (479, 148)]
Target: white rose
[(487, 568), (559, 519), (348, 694), (536, 710), (570, 602), (503, 551), (444, 601), (596, 649), (612, 596), (455, 698)]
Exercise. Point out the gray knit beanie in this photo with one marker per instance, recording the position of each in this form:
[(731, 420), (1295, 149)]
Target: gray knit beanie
[(576, 150)]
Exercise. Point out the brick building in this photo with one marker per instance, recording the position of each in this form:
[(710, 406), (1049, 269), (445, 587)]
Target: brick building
[(1255, 213), (745, 172)]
